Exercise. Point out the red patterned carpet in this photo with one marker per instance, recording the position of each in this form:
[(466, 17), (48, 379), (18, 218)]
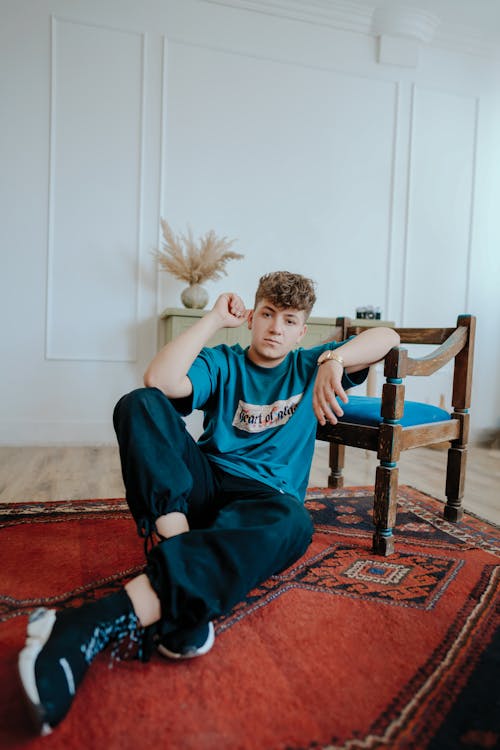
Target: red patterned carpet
[(342, 651)]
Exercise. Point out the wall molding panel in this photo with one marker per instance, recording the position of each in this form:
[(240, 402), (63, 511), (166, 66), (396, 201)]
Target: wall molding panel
[(404, 275), (160, 276), (95, 192), (391, 233), (328, 199), (473, 189), (441, 193)]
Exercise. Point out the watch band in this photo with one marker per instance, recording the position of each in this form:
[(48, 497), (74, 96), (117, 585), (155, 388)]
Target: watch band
[(330, 355)]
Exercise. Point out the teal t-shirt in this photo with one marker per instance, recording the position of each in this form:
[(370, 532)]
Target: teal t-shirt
[(259, 421)]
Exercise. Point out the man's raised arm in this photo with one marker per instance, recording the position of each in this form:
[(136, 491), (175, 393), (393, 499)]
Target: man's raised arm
[(168, 370)]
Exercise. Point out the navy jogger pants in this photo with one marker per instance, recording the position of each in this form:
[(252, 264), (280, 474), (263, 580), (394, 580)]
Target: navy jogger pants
[(241, 530)]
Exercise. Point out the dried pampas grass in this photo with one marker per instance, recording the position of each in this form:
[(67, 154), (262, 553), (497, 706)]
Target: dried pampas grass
[(195, 263)]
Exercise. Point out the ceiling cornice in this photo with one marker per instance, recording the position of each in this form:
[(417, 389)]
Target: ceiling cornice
[(358, 17), (404, 21), (340, 14)]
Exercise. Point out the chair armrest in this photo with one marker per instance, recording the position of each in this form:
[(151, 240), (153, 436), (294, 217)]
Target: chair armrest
[(398, 364), (440, 356)]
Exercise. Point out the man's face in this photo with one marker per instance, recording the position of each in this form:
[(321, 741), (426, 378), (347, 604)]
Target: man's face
[(275, 332)]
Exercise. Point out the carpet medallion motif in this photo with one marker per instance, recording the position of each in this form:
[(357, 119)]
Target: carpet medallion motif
[(416, 580)]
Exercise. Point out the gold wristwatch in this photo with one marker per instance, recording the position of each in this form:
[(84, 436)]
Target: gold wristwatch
[(328, 355)]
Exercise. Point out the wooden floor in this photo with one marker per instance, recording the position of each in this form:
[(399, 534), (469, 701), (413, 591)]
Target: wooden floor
[(78, 473)]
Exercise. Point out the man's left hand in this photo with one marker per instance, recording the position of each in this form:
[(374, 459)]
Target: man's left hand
[(327, 387)]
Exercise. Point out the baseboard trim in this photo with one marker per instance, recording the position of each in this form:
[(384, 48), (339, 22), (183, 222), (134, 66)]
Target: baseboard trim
[(488, 438), (21, 433)]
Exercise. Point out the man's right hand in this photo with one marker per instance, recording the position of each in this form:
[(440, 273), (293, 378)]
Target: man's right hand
[(230, 310)]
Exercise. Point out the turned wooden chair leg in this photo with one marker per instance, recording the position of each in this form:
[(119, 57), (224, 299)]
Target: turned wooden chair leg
[(455, 469), (385, 507), (455, 480), (337, 457)]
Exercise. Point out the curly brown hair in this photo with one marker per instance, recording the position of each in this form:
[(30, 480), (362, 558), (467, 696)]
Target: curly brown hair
[(285, 289)]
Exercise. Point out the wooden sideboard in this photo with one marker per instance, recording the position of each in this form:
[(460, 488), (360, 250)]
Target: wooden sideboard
[(174, 321)]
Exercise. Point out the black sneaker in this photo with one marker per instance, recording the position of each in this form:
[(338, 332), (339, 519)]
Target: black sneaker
[(59, 649), (187, 644)]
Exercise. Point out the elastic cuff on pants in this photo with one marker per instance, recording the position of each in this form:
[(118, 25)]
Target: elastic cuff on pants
[(179, 608), (146, 525), (167, 624)]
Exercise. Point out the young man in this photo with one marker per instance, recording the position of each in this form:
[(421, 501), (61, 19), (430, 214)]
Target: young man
[(226, 512)]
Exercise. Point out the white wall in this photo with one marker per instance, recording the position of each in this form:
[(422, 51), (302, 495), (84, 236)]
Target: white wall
[(379, 181)]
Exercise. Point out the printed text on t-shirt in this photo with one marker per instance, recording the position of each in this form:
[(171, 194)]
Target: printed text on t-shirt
[(259, 417)]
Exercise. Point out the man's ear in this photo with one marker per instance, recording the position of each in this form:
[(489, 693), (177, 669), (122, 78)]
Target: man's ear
[(250, 319), (303, 333)]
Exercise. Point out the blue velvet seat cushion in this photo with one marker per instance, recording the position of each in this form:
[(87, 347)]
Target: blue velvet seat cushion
[(365, 410)]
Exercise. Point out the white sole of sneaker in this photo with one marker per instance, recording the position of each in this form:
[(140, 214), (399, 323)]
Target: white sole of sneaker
[(164, 651), (39, 629)]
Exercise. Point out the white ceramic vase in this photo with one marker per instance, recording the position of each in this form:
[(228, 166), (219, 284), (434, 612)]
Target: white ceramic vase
[(194, 296)]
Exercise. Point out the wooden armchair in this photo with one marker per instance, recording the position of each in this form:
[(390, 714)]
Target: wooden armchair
[(389, 425)]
